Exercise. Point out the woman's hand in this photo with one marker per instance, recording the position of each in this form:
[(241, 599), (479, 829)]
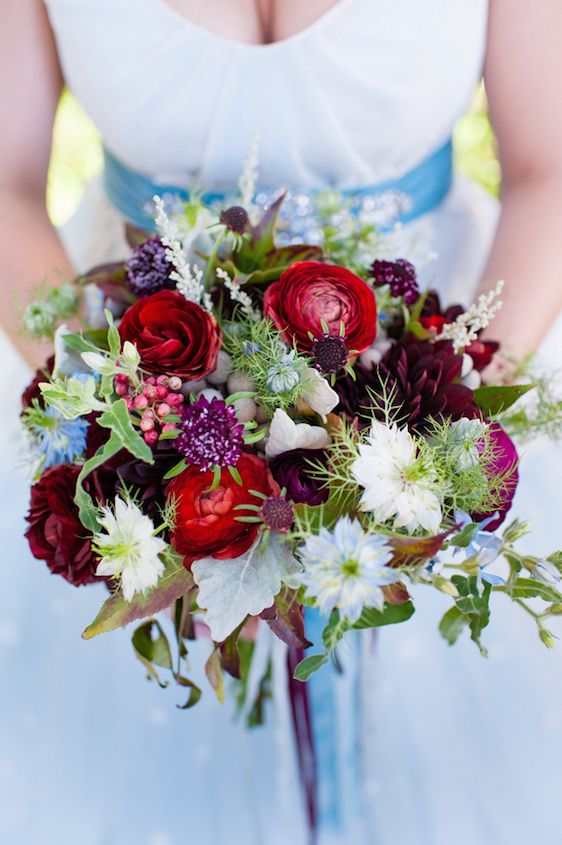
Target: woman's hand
[(523, 77), (30, 87)]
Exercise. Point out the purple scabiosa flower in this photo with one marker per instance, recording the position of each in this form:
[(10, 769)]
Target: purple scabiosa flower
[(210, 434), (235, 219), (148, 269), (400, 276), (329, 353), (277, 514), (295, 472)]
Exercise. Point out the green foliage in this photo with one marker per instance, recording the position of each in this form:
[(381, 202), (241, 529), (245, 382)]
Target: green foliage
[(474, 605), (337, 627), (270, 354), (495, 399), (152, 648)]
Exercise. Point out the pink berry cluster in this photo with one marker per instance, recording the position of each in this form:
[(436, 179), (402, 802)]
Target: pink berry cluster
[(156, 398)]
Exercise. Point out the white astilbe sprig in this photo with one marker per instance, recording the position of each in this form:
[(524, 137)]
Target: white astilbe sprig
[(248, 181), (188, 278), (465, 328), (238, 295)]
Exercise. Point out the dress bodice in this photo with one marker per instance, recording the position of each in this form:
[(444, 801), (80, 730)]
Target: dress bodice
[(360, 96)]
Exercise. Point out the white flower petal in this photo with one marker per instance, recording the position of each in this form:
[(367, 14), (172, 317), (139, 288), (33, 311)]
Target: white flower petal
[(285, 435)]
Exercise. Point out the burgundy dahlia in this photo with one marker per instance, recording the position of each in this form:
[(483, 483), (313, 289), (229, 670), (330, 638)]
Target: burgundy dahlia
[(55, 533), (295, 471), (400, 276), (210, 434), (422, 379), (148, 269)]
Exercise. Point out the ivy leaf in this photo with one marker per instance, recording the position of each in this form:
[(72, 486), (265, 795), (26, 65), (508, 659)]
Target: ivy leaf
[(452, 624), (118, 420), (213, 671), (392, 614), (494, 399), (116, 612), (309, 665), (529, 588), (230, 590)]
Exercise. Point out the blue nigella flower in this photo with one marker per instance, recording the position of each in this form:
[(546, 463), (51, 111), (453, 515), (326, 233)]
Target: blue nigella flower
[(484, 547), (56, 439)]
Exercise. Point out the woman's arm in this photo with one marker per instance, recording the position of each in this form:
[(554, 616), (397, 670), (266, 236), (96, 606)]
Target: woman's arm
[(30, 86), (523, 77)]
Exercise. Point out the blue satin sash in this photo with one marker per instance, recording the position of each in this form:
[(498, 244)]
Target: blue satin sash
[(425, 186)]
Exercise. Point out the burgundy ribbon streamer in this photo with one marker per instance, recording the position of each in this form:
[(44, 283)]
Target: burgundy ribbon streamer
[(304, 739)]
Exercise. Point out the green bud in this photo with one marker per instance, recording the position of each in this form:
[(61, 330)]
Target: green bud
[(555, 609), (445, 586), (515, 530), (547, 638)]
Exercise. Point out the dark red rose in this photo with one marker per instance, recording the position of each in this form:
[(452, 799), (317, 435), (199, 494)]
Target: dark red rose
[(504, 465), (55, 533), (310, 292), (295, 471), (32, 391), (173, 336), (206, 522)]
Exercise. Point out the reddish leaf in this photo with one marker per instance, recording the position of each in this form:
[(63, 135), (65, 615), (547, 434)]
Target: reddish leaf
[(229, 654), (411, 551), (116, 612), (287, 623), (396, 593)]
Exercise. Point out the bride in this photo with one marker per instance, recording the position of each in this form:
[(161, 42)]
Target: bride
[(349, 93)]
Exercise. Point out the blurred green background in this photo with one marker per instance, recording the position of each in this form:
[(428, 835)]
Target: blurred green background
[(77, 154)]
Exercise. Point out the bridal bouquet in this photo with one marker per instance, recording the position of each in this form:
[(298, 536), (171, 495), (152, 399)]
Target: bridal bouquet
[(250, 430)]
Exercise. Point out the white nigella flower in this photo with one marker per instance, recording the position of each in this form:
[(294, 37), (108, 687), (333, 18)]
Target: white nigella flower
[(318, 394), (285, 434), (346, 569), (397, 484), (128, 549)]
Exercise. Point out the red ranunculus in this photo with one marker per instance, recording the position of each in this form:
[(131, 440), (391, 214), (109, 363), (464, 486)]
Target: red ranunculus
[(310, 292), (206, 524), (173, 336), (55, 533)]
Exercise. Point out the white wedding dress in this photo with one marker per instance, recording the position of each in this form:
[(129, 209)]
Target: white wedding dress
[(460, 749)]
